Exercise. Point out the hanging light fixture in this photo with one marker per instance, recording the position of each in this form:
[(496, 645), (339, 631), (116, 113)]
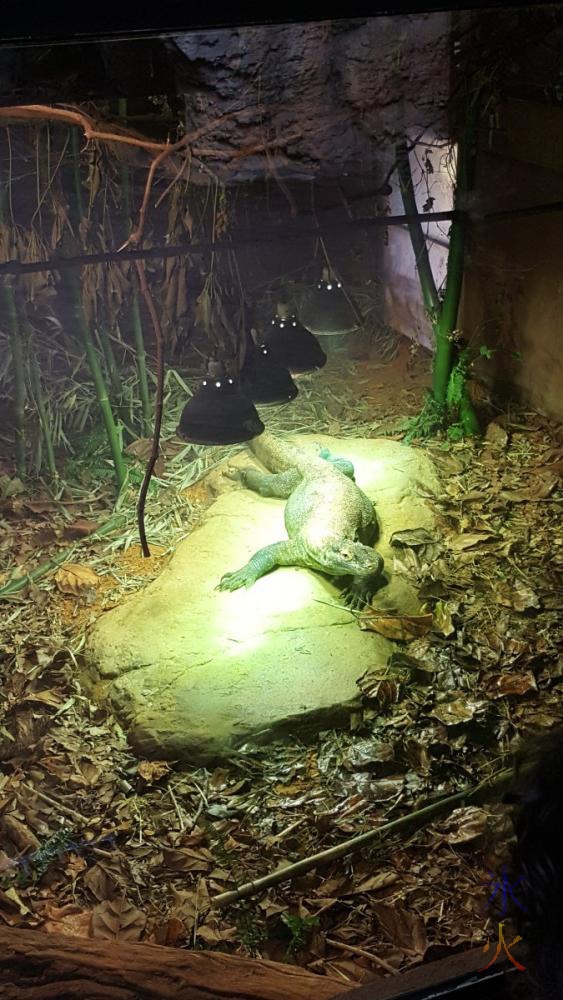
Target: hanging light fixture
[(219, 412), (263, 379), (291, 344), (327, 312)]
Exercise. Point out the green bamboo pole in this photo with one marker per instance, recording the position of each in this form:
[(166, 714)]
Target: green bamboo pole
[(456, 259), (443, 315), (418, 239), (99, 383), (18, 361), (140, 352), (75, 134), (39, 400), (141, 362), (18, 364)]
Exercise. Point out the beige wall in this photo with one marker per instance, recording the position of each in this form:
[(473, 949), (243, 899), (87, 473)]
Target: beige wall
[(513, 289)]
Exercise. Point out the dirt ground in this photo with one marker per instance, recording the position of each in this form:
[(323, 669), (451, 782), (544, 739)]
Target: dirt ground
[(97, 843)]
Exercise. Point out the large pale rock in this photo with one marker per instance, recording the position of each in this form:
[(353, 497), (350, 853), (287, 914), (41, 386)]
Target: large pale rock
[(192, 672)]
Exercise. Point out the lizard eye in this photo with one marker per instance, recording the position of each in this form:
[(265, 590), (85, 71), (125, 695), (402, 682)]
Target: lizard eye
[(346, 554)]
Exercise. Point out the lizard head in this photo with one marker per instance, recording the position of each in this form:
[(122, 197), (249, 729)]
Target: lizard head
[(349, 558)]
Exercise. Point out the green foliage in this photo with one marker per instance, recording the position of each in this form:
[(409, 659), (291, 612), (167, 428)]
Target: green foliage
[(31, 868), (300, 930), (91, 461), (251, 930), (428, 422)]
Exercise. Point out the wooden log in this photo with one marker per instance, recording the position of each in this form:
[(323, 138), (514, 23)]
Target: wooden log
[(39, 966)]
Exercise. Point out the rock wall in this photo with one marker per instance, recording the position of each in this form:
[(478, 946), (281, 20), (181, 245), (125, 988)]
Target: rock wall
[(341, 89)]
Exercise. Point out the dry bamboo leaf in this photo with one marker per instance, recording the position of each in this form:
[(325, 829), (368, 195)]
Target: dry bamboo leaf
[(117, 919), (72, 578), (401, 628)]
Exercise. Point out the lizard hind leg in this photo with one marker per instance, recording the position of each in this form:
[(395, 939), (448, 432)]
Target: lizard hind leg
[(279, 484), (342, 464)]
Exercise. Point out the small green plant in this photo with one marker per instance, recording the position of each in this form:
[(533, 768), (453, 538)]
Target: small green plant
[(300, 930), (251, 930)]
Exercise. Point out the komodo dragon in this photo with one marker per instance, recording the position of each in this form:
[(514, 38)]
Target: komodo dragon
[(331, 524)]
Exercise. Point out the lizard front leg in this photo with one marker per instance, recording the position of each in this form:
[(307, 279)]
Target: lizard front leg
[(359, 592), (262, 562)]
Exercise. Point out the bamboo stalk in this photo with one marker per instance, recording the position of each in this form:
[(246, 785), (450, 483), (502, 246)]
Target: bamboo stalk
[(418, 239), (141, 363), (100, 386), (109, 358), (18, 364), (140, 352), (39, 400), (79, 203), (481, 792)]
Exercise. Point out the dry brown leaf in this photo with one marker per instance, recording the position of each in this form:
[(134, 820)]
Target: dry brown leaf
[(374, 883), (452, 713), (401, 628), (153, 770), (80, 528), (518, 596), (214, 932), (539, 490), (470, 540), (187, 860), (72, 578), (69, 919), (496, 435), (465, 825), (443, 618), (117, 919), (405, 929), (503, 685)]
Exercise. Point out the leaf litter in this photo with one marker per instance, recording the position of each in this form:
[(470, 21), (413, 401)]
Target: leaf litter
[(96, 843)]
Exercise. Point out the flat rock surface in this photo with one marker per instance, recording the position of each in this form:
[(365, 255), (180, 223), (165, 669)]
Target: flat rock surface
[(192, 672)]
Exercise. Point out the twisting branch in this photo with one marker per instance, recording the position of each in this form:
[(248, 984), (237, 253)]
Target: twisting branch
[(157, 409)]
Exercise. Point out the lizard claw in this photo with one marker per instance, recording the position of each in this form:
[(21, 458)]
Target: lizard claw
[(358, 594), (232, 472), (234, 581)]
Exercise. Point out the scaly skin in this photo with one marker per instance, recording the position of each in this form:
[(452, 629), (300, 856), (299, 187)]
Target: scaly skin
[(331, 524)]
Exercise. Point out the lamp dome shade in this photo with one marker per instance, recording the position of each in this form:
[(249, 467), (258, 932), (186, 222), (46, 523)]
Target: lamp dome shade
[(219, 413), (327, 312), (290, 344), (263, 379)]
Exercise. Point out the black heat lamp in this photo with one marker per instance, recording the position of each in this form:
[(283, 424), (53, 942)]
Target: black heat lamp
[(327, 312), (263, 379), (290, 344), (219, 412)]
